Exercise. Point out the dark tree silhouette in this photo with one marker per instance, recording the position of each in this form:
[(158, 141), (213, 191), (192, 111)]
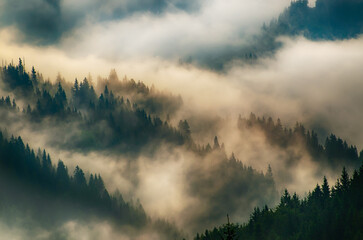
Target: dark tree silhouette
[(31, 183), (334, 153), (320, 215)]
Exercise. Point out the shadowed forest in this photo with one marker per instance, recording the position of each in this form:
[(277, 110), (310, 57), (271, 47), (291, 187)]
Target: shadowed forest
[(326, 213), (241, 120), (124, 117)]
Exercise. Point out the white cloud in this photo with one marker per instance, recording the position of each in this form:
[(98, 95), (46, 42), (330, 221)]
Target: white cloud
[(175, 34)]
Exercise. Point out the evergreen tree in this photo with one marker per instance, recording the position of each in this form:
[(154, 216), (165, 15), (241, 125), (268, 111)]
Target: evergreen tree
[(344, 180), (325, 188), (79, 178), (216, 143)]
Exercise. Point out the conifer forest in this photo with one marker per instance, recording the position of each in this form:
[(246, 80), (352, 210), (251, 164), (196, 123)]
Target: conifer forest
[(181, 120)]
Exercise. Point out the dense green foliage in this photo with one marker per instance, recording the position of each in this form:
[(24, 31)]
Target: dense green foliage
[(335, 152), (122, 117), (103, 122), (113, 123), (226, 185), (335, 213), (327, 20), (150, 99), (32, 185)]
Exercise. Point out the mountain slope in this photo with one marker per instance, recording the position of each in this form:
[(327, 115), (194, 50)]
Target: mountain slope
[(326, 213), (36, 194)]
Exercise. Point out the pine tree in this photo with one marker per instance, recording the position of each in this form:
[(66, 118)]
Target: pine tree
[(344, 179), (79, 178), (230, 232), (75, 88), (269, 172), (325, 188), (62, 173), (60, 96), (216, 143)]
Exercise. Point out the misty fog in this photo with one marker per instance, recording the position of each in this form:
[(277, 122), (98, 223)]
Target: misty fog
[(168, 84)]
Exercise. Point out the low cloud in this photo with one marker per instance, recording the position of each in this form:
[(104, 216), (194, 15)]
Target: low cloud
[(209, 34), (46, 22), (316, 83), (187, 30)]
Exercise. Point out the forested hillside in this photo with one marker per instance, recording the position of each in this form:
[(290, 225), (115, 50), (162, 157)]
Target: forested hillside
[(104, 121), (325, 20), (159, 119), (326, 213), (32, 187), (131, 120), (111, 122), (334, 152)]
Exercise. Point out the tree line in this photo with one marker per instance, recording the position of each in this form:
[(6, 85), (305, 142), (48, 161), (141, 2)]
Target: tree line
[(334, 152), (130, 127), (326, 213), (29, 177)]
